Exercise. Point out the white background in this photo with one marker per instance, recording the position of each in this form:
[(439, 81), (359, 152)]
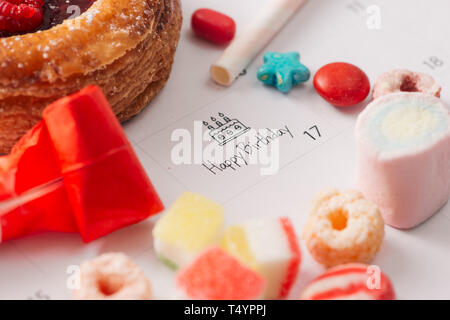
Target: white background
[(412, 31)]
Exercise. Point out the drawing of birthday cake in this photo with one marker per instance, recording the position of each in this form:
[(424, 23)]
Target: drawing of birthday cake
[(225, 129)]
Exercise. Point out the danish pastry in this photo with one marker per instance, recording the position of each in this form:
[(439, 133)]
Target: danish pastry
[(124, 46)]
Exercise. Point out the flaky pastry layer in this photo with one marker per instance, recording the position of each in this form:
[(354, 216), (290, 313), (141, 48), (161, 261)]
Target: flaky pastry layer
[(124, 46)]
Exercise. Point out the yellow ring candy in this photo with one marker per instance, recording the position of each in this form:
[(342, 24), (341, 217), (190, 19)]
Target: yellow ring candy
[(343, 228)]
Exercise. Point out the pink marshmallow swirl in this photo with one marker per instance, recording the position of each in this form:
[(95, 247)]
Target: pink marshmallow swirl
[(403, 156)]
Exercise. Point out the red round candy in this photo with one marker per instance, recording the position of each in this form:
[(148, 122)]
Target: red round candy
[(342, 84), (213, 26)]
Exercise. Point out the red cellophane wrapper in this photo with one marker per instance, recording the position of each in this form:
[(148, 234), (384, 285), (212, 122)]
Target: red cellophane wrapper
[(104, 185)]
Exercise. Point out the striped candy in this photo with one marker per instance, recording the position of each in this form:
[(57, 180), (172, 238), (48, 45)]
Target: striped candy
[(270, 247), (351, 281)]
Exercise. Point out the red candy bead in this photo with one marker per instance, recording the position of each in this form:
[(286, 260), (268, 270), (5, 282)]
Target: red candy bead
[(213, 26), (342, 84)]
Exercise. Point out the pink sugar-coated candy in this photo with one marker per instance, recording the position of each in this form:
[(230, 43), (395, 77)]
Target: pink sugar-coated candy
[(216, 275), (405, 81), (213, 26), (352, 281)]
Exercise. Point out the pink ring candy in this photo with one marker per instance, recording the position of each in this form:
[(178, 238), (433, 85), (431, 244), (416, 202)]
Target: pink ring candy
[(402, 80), (112, 276)]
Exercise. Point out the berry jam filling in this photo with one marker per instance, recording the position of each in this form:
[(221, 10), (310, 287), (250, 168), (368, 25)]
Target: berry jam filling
[(408, 84), (24, 16), (20, 15)]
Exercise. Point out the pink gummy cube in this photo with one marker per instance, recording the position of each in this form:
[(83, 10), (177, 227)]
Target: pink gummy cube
[(216, 275)]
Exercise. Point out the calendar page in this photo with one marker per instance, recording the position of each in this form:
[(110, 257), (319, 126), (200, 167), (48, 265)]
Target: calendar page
[(299, 144)]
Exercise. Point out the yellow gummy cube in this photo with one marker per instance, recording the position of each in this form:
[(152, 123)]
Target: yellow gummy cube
[(191, 223), (235, 242)]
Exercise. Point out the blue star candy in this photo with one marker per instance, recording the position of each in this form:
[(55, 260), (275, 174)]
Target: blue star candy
[(283, 70)]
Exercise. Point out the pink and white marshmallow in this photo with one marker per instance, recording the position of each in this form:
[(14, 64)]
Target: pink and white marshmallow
[(403, 156)]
